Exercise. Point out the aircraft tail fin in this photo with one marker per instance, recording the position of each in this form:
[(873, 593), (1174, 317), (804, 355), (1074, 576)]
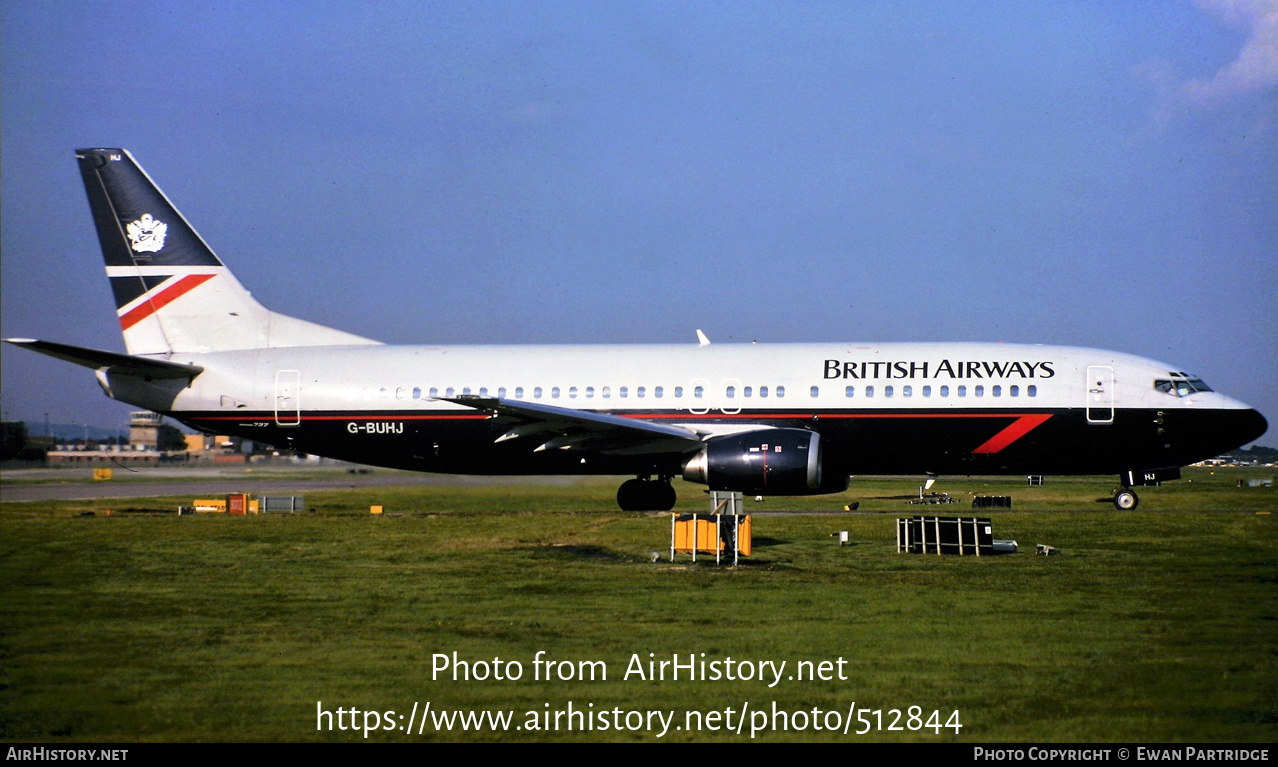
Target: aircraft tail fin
[(172, 293)]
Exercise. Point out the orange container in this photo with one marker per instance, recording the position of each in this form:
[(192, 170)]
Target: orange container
[(707, 538), (237, 503)]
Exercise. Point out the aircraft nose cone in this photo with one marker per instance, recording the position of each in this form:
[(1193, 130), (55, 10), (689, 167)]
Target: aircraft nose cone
[(1217, 432), (1251, 425)]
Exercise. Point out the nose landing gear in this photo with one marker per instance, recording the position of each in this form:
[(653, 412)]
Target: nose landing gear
[(1125, 500)]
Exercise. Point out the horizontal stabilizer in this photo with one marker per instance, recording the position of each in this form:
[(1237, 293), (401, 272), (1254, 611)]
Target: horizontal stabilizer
[(121, 364)]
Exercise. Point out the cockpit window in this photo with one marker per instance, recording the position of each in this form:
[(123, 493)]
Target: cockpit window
[(1180, 387)]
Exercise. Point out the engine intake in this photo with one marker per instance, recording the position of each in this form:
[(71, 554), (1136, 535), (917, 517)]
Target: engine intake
[(764, 462)]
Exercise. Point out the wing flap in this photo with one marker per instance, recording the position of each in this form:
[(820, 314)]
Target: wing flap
[(558, 428)]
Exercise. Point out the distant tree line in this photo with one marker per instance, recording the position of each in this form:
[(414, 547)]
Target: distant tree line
[(1257, 453)]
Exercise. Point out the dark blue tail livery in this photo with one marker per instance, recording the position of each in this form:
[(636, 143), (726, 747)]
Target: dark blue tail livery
[(136, 223)]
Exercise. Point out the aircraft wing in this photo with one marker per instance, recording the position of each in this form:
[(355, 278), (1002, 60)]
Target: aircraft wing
[(112, 362), (558, 428)]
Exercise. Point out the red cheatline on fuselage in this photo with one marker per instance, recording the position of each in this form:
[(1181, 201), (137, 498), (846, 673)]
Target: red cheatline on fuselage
[(1022, 423)]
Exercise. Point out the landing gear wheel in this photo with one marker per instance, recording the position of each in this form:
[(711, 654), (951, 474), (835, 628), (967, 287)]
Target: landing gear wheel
[(1125, 500), (646, 495), (663, 496), (630, 495)]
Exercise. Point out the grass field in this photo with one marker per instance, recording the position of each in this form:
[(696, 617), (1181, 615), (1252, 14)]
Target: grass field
[(1153, 625)]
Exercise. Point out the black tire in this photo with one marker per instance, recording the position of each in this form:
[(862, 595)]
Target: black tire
[(663, 497), (630, 496), (646, 495), (1125, 500)]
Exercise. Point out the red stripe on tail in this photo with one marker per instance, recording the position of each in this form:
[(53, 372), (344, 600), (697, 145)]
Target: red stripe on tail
[(162, 299)]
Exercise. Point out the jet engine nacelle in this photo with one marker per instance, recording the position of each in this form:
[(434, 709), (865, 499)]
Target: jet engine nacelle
[(765, 462)]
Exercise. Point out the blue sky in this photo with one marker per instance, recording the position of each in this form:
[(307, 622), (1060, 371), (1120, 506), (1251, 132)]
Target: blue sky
[(1098, 174)]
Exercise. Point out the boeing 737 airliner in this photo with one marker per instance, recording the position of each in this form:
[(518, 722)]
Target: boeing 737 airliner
[(785, 419)]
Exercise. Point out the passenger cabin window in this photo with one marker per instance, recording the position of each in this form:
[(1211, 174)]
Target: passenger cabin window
[(780, 391), (1031, 390), (848, 391), (679, 392), (814, 392), (658, 391)]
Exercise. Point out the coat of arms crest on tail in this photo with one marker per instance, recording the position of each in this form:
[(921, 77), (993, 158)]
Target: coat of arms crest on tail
[(146, 235)]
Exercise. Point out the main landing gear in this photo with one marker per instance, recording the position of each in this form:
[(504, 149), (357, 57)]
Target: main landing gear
[(643, 494)]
